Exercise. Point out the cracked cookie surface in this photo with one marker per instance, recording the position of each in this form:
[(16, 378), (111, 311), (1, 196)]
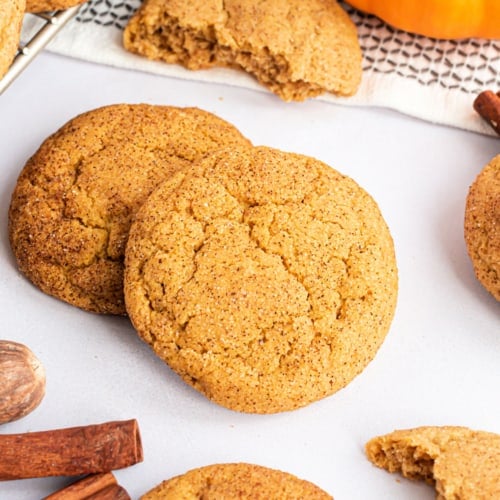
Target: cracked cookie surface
[(461, 463), (266, 280), (482, 226), (297, 49), (236, 481), (74, 200)]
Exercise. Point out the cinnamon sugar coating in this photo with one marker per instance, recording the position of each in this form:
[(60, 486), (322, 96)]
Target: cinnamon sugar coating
[(237, 481), (266, 280), (74, 200), (461, 463)]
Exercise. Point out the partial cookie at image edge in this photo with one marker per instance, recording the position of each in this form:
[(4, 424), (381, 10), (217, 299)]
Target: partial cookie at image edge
[(482, 226)]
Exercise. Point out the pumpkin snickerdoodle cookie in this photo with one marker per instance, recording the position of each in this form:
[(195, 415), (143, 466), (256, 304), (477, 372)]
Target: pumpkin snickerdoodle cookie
[(297, 49), (463, 464), (50, 5), (238, 481), (71, 208), (266, 280), (482, 226), (11, 18)]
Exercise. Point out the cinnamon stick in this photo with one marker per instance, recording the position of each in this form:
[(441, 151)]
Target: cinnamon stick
[(115, 492), (487, 104), (94, 487), (71, 451)]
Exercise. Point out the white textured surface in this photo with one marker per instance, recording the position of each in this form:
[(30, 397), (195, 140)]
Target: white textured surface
[(438, 366)]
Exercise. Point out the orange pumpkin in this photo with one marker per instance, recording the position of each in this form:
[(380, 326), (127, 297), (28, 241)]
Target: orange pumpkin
[(438, 18)]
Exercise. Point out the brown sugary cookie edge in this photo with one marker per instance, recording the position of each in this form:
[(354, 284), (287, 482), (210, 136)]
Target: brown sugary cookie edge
[(236, 480), (26, 220), (246, 398), (482, 226)]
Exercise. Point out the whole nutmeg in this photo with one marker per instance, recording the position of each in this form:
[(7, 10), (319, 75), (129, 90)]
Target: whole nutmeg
[(22, 381)]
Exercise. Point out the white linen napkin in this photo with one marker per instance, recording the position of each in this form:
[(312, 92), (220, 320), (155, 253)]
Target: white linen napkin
[(434, 80)]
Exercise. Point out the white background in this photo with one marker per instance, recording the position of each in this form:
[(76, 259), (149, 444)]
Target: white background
[(438, 366)]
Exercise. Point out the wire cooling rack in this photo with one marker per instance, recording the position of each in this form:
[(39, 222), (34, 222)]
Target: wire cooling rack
[(42, 28)]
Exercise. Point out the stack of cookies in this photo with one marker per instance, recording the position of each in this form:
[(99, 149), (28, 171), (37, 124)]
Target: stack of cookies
[(267, 280), (482, 226)]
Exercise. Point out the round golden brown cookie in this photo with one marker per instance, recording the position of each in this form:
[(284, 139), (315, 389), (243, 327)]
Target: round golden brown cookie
[(11, 18), (463, 464), (482, 226), (266, 280), (71, 209), (50, 5), (237, 481)]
